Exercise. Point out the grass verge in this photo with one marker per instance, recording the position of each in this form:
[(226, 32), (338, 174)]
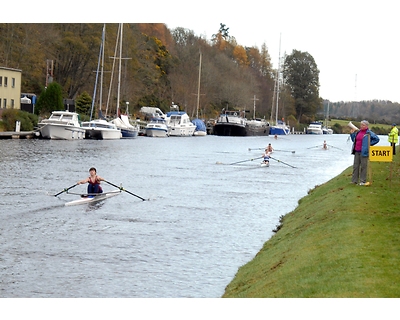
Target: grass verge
[(343, 241)]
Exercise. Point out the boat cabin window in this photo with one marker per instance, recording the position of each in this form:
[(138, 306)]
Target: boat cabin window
[(55, 117), (67, 117)]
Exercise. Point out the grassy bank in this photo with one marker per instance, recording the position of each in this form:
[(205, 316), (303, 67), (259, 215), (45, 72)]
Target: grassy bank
[(343, 240)]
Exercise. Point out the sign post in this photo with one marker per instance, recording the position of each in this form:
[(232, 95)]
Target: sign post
[(384, 154)]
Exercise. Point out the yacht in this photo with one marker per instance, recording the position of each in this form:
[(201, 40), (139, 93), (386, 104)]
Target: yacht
[(62, 125)]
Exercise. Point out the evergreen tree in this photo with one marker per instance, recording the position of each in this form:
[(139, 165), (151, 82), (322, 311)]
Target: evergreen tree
[(50, 99), (83, 103)]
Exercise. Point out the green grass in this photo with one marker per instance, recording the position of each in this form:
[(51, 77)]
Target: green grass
[(342, 240)]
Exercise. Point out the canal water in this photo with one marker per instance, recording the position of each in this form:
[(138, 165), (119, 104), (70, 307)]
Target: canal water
[(203, 217)]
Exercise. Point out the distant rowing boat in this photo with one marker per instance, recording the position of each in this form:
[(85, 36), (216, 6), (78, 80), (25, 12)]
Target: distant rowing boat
[(93, 198)]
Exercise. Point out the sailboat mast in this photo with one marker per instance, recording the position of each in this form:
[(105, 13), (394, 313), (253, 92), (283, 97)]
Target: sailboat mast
[(198, 90), (102, 68), (277, 79), (119, 69), (97, 74)]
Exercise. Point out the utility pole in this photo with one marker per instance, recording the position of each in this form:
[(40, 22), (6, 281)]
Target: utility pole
[(254, 100)]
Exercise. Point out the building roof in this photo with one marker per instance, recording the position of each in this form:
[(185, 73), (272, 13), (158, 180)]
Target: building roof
[(11, 69)]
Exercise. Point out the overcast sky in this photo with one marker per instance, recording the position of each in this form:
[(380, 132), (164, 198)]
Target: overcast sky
[(355, 44)]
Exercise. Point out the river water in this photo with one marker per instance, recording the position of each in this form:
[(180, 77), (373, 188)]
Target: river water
[(204, 216)]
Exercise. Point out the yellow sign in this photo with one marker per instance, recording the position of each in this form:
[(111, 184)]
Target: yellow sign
[(381, 154)]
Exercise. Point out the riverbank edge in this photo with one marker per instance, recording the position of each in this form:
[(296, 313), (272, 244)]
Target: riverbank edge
[(342, 240)]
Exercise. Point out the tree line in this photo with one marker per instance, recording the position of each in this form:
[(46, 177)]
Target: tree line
[(161, 66)]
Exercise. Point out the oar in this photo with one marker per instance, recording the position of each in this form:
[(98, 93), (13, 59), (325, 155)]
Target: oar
[(256, 149), (122, 189), (285, 151), (65, 190), (313, 147), (334, 147), (282, 162), (245, 160)]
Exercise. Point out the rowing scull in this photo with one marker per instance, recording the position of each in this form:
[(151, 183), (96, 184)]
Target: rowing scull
[(95, 198)]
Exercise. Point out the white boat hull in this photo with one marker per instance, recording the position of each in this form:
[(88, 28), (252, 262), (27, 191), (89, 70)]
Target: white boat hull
[(62, 125), (182, 131), (62, 132), (179, 124), (156, 132), (99, 197), (101, 130), (199, 133)]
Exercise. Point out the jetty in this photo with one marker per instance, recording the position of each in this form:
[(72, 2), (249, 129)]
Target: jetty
[(19, 134)]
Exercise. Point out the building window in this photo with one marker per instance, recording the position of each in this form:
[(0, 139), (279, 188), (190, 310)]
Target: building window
[(4, 103), (1, 81), (12, 104), (5, 81), (13, 82), (0, 102)]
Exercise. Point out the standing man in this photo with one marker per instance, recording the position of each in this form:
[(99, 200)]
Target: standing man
[(393, 137), (362, 139)]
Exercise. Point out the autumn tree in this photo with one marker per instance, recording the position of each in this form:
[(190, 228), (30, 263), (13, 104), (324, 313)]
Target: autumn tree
[(301, 75)]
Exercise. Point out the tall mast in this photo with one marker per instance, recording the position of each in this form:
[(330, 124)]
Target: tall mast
[(97, 74), (254, 106), (119, 68), (278, 72), (198, 89), (102, 68)]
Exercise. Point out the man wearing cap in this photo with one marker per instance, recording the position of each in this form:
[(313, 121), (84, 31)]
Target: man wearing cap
[(393, 137)]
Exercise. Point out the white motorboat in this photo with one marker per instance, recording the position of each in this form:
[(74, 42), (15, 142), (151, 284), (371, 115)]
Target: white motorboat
[(179, 123), (326, 130), (100, 129), (62, 125), (314, 128), (85, 199), (157, 127)]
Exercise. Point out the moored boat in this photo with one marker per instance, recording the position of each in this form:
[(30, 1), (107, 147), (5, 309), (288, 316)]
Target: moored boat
[(257, 127), (157, 127), (62, 125), (201, 129), (326, 130), (179, 123), (123, 124), (280, 128), (230, 123), (100, 129), (314, 128)]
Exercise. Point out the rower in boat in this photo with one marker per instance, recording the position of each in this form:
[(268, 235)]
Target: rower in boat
[(325, 146), (266, 157), (269, 148), (94, 182)]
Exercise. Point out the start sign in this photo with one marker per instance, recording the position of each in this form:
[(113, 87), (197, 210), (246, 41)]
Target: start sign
[(381, 154)]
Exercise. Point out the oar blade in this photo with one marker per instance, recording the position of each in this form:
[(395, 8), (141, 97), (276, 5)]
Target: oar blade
[(122, 189)]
